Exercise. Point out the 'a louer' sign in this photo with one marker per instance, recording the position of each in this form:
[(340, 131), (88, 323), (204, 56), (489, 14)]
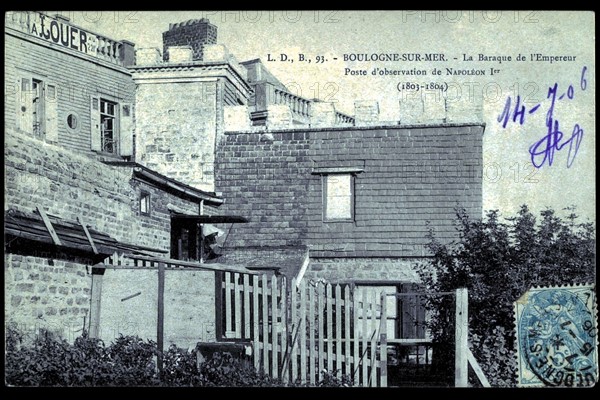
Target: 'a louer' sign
[(63, 34)]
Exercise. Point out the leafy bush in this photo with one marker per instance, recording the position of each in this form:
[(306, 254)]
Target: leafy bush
[(180, 368), (498, 261), (51, 361), (224, 370), (128, 361), (330, 379)]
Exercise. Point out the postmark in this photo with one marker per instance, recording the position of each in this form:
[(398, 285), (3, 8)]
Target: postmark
[(557, 342)]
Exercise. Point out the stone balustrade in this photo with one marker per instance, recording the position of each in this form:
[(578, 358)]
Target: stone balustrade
[(59, 31)]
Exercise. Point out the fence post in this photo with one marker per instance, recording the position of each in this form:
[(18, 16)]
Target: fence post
[(160, 325), (311, 333), (274, 329), (320, 288), (284, 328), (383, 340), (265, 322), (461, 363), (295, 330), (338, 330), (256, 352), (302, 326), (329, 335), (97, 274)]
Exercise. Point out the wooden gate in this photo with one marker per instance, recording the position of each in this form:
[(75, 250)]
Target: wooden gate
[(303, 329)]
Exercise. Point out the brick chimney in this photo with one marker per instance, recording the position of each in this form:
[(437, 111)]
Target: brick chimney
[(195, 33)]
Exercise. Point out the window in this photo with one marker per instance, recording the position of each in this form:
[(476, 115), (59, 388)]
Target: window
[(108, 119), (145, 203), (37, 108), (338, 198), (111, 126), (72, 121), (185, 240)]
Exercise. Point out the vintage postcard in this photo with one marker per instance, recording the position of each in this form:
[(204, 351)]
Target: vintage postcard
[(300, 198)]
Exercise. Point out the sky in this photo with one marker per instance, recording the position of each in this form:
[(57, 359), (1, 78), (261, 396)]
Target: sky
[(510, 177)]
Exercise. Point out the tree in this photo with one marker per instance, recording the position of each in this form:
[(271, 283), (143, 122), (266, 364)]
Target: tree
[(498, 261)]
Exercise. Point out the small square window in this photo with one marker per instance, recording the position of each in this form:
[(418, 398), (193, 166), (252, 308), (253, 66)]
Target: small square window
[(338, 197), (145, 203)]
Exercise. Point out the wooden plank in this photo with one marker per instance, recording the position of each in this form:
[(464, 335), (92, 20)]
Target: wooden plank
[(195, 265), (364, 313), (237, 307), (338, 330), (274, 329), (328, 301), (383, 342), (355, 337), (219, 308), (255, 314), (347, 312), (246, 306), (295, 330), (302, 325), (87, 234), (320, 288), (409, 342), (284, 327), (265, 322), (311, 338), (95, 302), (49, 226), (478, 371), (228, 325), (160, 325), (75, 238), (373, 359), (461, 364)]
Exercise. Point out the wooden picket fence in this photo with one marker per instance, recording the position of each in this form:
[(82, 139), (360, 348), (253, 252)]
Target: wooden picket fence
[(317, 327), (304, 328)]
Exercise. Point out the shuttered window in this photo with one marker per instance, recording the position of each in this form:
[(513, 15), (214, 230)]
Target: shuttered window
[(111, 127), (37, 108)]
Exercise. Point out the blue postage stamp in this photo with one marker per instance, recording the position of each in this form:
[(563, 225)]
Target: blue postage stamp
[(557, 342)]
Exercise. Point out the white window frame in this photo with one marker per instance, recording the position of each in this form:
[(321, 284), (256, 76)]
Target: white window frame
[(38, 100), (327, 200), (145, 200), (105, 116)]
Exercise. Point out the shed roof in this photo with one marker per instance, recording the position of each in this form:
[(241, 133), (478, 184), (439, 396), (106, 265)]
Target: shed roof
[(71, 235)]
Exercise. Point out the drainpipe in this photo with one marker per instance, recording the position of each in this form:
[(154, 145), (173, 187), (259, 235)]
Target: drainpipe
[(201, 212)]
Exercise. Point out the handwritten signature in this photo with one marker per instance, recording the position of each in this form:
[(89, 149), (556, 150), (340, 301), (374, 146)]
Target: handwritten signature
[(544, 149)]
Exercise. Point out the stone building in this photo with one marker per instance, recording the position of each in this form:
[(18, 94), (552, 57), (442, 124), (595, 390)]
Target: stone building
[(135, 149), (74, 193), (349, 205)]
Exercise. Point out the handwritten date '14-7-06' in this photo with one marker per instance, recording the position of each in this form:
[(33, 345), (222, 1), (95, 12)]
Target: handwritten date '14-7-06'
[(542, 151)]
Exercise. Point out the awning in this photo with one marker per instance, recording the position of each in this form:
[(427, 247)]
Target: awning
[(65, 234), (211, 219)]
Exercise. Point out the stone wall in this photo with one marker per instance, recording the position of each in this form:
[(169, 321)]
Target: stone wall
[(68, 185), (177, 125), (363, 269), (42, 293)]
